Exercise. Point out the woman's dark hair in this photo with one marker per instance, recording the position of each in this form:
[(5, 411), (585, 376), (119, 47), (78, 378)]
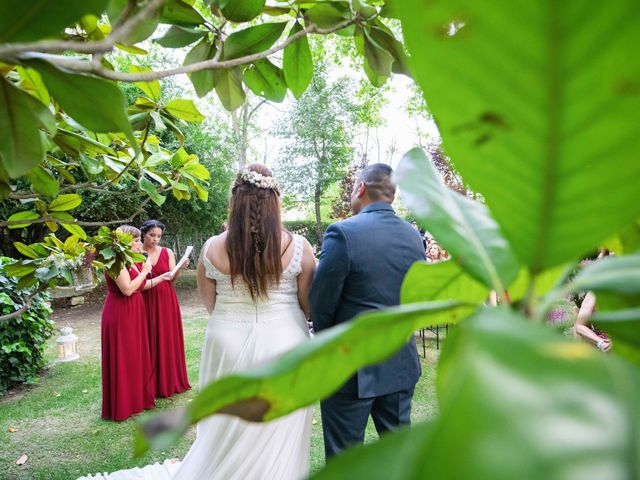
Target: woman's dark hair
[(150, 224), (254, 230)]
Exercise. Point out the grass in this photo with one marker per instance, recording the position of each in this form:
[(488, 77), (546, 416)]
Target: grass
[(58, 421)]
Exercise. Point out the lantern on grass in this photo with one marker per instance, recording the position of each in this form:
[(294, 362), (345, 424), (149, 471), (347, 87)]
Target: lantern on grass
[(67, 345)]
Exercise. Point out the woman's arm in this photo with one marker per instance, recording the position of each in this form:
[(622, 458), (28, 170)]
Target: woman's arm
[(206, 286), (306, 277), (583, 329), (127, 286), (155, 281)]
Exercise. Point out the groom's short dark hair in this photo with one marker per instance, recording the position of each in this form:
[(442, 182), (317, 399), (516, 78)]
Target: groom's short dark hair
[(377, 178)]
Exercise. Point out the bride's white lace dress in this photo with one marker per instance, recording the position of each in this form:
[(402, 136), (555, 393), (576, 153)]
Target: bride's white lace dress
[(240, 334)]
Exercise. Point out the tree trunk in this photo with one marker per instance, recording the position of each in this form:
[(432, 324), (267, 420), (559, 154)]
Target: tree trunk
[(316, 200)]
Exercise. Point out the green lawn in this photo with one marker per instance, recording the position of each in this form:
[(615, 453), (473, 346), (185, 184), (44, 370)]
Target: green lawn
[(59, 427)]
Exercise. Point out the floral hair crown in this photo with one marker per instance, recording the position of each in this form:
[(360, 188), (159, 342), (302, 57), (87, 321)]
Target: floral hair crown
[(258, 180)]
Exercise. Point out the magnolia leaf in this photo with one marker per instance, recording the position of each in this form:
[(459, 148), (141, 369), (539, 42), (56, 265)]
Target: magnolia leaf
[(229, 88), (327, 15), (178, 12), (94, 103), (519, 106), (26, 250), (310, 371), (184, 110), (465, 228), (28, 215), (266, 80), (20, 145), (150, 88), (38, 19), (204, 80), (428, 282), (67, 201), (43, 181), (241, 11), (252, 40), (179, 37), (32, 83), (297, 63), (198, 170), (75, 229)]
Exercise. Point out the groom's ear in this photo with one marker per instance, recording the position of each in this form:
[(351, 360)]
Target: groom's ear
[(361, 189)]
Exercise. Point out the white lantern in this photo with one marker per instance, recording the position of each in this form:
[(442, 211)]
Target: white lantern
[(67, 345)]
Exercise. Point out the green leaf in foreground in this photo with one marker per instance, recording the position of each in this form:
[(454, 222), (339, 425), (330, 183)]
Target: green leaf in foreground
[(520, 402), (96, 104), (20, 146), (429, 282), (307, 373), (533, 115), (464, 227)]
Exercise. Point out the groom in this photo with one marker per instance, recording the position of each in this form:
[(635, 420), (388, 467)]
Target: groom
[(363, 262)]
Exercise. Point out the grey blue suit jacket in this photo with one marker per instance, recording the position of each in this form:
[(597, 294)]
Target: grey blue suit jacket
[(363, 262)]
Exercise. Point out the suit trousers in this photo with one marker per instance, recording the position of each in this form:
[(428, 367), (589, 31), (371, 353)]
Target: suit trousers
[(345, 417)]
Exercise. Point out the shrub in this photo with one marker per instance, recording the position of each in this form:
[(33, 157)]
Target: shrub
[(22, 339)]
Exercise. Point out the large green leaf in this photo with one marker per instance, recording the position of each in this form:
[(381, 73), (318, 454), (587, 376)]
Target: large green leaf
[(32, 83), (184, 110), (229, 88), (305, 374), (20, 145), (65, 202), (204, 80), (252, 40), (94, 103), (266, 80), (24, 21), (537, 105), (465, 228), (383, 36), (241, 11), (327, 15), (150, 188), (178, 12), (43, 181), (178, 37), (378, 59), (428, 282), (297, 64), (75, 229), (151, 88), (27, 216), (516, 402)]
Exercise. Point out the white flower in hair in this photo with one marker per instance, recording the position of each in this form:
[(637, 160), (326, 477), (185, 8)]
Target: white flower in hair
[(258, 180)]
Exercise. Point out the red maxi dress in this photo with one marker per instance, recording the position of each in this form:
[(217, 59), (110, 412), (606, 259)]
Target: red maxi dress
[(126, 363), (166, 339)]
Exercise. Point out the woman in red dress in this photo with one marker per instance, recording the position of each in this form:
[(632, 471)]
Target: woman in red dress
[(126, 363), (166, 339)]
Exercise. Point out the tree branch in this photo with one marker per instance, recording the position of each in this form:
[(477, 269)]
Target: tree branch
[(26, 305), (213, 64), (12, 51)]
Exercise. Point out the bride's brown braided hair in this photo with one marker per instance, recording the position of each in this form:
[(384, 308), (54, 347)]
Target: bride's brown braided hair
[(254, 231)]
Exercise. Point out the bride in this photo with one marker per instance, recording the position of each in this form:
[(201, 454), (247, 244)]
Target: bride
[(254, 279)]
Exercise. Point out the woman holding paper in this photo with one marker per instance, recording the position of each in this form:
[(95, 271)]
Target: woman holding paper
[(166, 340)]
